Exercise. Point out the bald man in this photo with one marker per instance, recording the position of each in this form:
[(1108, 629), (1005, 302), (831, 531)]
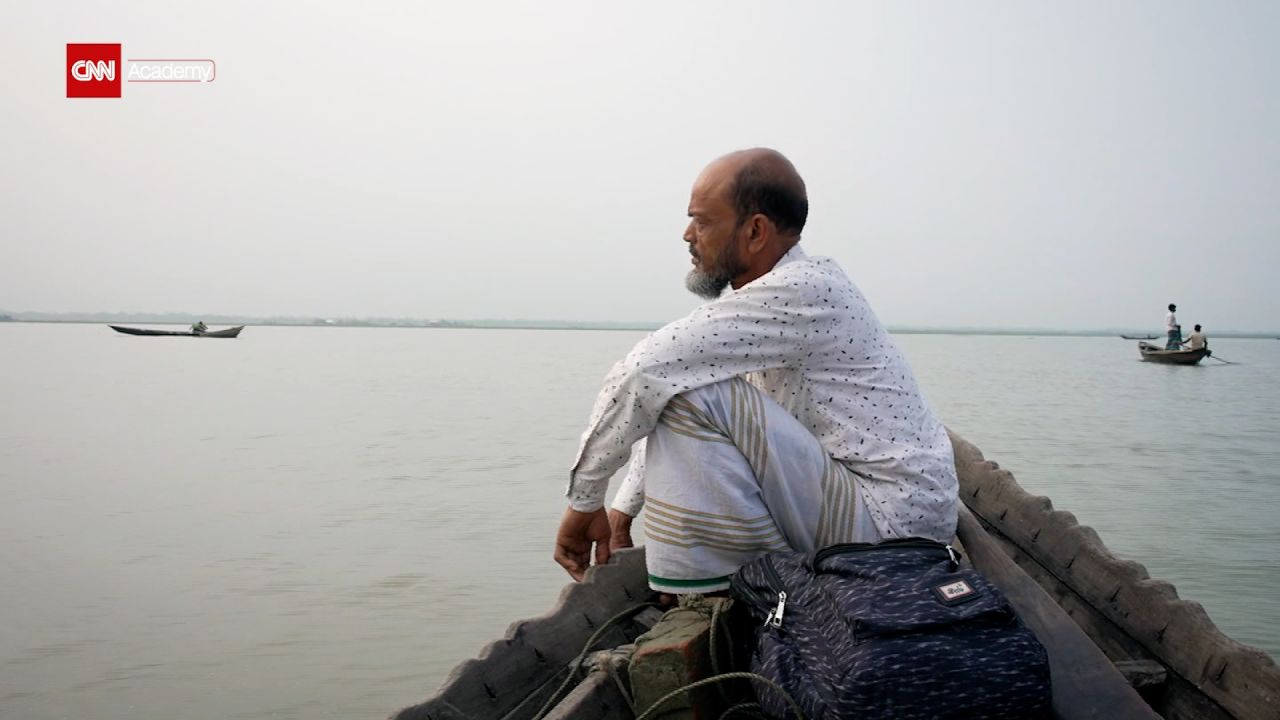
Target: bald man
[(778, 415)]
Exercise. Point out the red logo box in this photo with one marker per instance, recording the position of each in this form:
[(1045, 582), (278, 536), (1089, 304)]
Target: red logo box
[(93, 70)]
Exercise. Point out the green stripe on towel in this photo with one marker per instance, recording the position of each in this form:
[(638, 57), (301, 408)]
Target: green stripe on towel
[(688, 583)]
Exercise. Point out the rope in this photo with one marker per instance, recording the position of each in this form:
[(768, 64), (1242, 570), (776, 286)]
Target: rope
[(718, 620), (711, 648), (753, 708), (576, 663), (795, 707), (622, 687)]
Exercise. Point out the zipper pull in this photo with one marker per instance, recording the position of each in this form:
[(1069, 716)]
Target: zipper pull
[(775, 615), (954, 557)]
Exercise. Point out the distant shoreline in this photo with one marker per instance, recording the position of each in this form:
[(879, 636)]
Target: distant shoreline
[(568, 325)]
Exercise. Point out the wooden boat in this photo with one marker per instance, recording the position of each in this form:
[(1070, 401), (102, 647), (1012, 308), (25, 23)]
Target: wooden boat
[(1121, 645), (1138, 337), (228, 333), (1157, 354)]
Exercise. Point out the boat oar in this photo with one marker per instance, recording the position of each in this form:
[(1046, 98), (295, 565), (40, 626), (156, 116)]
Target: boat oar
[(1215, 357)]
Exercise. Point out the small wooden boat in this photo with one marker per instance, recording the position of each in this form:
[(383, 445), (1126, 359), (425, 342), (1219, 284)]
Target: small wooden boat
[(1157, 354), (228, 333), (1138, 337), (1121, 646)]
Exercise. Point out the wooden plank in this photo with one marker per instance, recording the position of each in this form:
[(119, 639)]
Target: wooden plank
[(529, 663), (1245, 681), (1143, 673), (1114, 642), (1176, 700), (596, 698), (1085, 684), (1184, 702), (599, 696)]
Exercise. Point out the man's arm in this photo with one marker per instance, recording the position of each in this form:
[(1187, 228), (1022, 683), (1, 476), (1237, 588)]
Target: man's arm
[(756, 328), (759, 327), (577, 534), (630, 496), (629, 500)]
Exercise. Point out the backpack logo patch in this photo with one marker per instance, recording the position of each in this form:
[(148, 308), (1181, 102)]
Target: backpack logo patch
[(954, 592)]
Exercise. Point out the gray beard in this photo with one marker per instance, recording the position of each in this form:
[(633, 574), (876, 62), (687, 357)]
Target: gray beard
[(705, 286)]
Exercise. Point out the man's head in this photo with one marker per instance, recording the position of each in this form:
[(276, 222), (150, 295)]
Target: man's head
[(746, 211), (1197, 328), (1172, 307)]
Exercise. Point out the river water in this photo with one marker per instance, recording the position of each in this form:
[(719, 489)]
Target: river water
[(320, 522)]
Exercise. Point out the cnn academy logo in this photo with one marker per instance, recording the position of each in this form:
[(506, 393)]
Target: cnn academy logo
[(95, 70)]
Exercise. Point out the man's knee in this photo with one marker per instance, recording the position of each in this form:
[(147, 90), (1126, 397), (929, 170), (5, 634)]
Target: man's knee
[(706, 394)]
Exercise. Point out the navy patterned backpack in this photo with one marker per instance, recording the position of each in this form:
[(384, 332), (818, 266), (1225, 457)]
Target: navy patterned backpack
[(891, 630)]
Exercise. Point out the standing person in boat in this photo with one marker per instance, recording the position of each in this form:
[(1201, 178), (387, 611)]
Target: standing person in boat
[(1172, 327), (780, 414), (1196, 341), (199, 328)]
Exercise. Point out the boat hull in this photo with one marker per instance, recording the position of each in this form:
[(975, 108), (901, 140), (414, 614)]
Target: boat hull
[(228, 333), (1155, 354), (1115, 637)]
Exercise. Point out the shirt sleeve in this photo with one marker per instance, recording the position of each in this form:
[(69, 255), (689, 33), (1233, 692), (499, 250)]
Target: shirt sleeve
[(630, 497), (760, 326)]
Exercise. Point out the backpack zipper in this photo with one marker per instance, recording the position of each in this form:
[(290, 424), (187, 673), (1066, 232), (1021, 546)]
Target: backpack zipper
[(922, 543), (774, 618), (774, 580)]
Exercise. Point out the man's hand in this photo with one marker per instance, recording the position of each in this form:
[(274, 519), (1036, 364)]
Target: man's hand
[(620, 530), (578, 531)]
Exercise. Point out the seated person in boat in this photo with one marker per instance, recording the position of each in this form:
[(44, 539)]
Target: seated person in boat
[(1173, 329), (1196, 341), (199, 328), (780, 414)]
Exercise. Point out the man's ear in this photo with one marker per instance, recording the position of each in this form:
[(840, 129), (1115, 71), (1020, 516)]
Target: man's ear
[(759, 229)]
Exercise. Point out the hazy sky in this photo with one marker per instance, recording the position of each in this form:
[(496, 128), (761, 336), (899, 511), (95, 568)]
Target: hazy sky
[(1065, 165)]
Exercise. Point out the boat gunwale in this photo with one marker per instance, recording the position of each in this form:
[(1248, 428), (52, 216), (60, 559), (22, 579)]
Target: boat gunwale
[(1176, 632), (580, 609)]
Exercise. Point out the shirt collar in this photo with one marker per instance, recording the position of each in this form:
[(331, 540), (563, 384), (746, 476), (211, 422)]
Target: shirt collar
[(794, 254)]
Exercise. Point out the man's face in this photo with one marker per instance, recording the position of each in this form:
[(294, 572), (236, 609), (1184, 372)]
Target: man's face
[(712, 234)]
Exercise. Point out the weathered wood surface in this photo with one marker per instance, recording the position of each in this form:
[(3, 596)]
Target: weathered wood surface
[(599, 696), (513, 677), (595, 698), (1243, 681), (1111, 638), (1086, 686), (1175, 699), (1143, 673)]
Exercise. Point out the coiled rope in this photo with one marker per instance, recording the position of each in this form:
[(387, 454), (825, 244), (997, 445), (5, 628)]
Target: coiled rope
[(576, 664)]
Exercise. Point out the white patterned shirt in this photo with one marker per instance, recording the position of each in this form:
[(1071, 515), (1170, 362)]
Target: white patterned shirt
[(805, 335)]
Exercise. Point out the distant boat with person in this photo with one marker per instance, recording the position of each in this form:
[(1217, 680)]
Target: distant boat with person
[(1157, 354), (228, 333)]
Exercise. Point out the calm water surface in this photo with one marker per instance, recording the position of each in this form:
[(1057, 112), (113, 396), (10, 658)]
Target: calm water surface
[(320, 522)]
